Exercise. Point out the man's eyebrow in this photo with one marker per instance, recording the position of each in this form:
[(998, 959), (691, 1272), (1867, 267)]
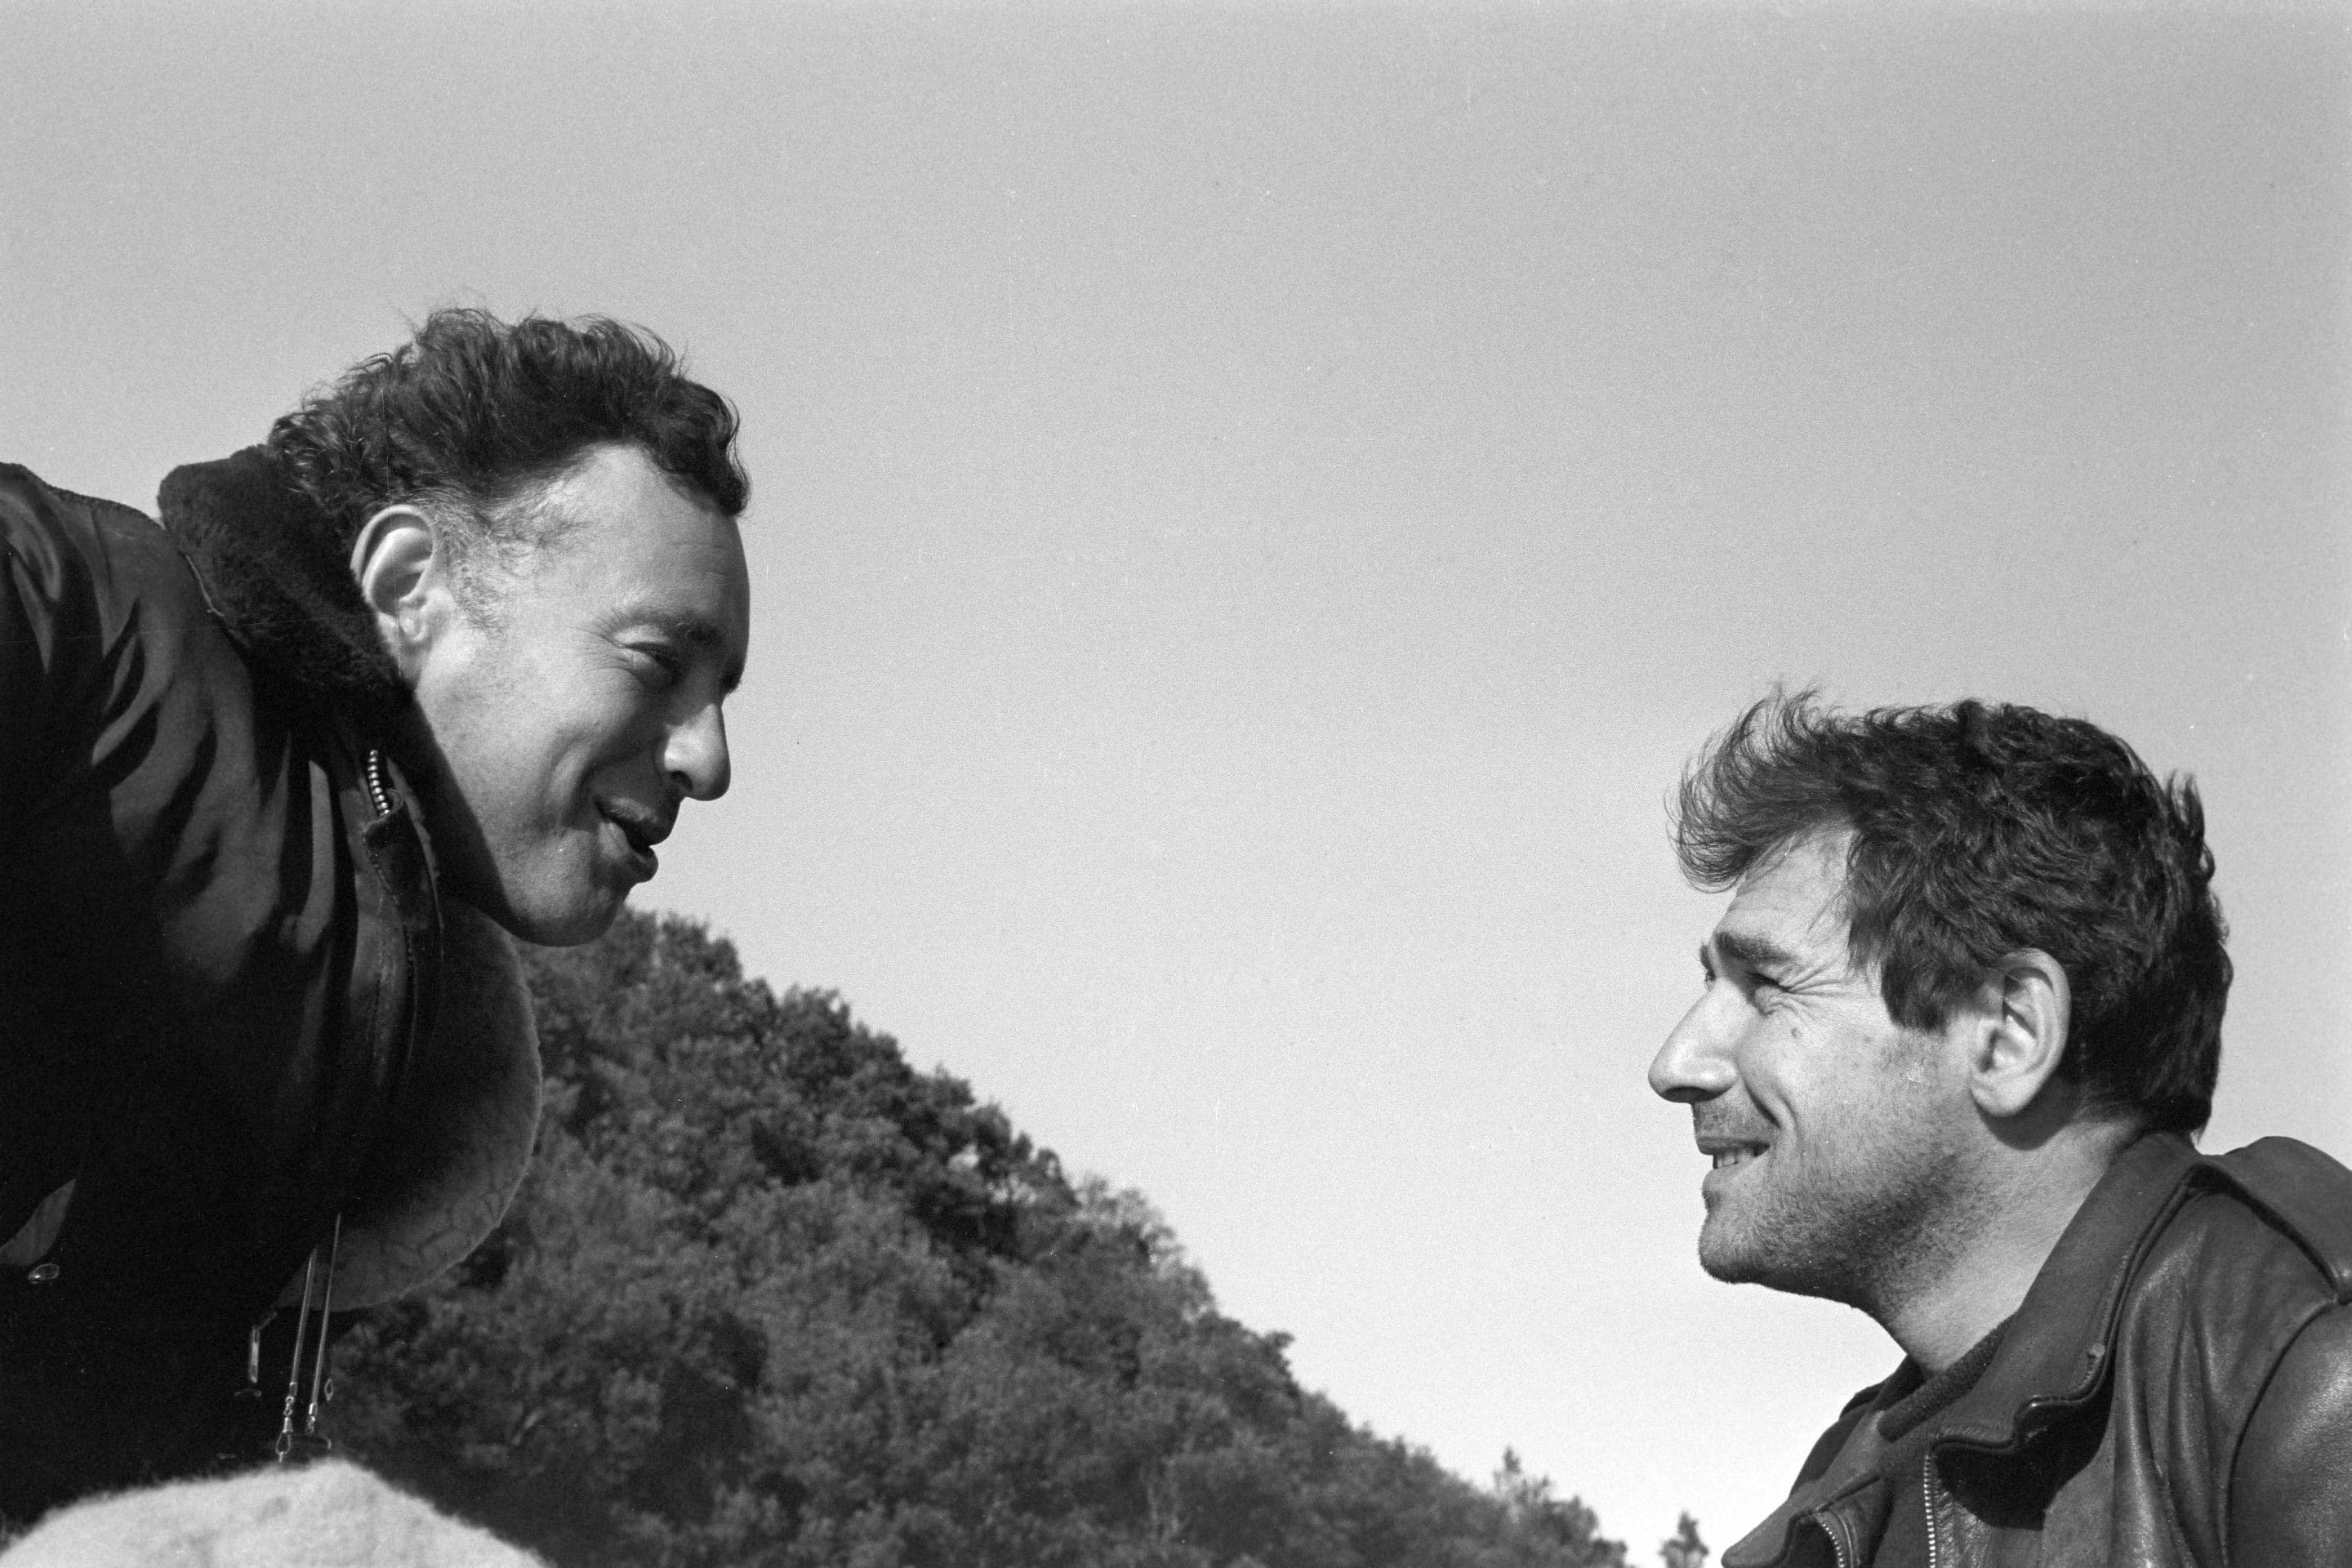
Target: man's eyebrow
[(1754, 954), (696, 633)]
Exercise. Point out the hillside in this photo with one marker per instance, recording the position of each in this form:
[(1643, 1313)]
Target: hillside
[(770, 1296)]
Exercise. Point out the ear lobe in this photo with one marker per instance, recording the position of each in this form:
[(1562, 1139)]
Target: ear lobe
[(401, 571), (2023, 1038)]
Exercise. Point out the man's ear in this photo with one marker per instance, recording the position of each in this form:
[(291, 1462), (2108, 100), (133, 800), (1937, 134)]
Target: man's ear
[(403, 573), (2023, 1036)]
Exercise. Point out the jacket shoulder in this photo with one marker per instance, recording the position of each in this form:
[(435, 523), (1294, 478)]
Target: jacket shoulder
[(2306, 1195), (2256, 1247), (76, 554), (25, 493), (97, 609), (2245, 1260), (2290, 1498)]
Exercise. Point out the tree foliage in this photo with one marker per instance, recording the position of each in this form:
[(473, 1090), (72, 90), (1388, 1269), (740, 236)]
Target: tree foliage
[(772, 1297), (1684, 1550)]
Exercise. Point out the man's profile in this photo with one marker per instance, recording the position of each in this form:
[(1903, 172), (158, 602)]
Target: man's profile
[(436, 665), (1959, 1027)]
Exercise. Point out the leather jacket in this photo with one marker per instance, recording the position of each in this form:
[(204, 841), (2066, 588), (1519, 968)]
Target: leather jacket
[(233, 1005), (2175, 1389)]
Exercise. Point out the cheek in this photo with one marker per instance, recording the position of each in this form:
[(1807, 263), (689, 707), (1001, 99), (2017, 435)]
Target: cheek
[(535, 763), (595, 718), (1781, 1076)]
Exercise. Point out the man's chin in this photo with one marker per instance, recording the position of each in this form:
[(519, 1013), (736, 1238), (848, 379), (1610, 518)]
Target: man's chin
[(1825, 1279), (1732, 1257), (1747, 1268), (553, 922), (582, 925), (1730, 1267)]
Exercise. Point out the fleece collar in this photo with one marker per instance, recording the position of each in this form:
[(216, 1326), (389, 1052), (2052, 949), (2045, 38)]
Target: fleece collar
[(270, 568)]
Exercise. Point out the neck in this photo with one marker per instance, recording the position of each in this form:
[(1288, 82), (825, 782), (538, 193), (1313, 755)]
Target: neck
[(2008, 1229)]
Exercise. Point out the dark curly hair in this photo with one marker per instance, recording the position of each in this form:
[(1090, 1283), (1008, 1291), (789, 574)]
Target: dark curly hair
[(1980, 830), (472, 417)]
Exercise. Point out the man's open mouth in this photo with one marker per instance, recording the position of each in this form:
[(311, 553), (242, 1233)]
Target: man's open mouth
[(641, 833)]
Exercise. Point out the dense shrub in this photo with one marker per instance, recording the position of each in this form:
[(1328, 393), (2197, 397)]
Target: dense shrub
[(770, 1296)]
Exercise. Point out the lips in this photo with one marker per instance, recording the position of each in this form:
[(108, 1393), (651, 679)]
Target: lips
[(640, 831), (1730, 1158)]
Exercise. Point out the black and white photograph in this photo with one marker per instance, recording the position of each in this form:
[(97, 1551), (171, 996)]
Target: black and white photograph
[(1175, 783)]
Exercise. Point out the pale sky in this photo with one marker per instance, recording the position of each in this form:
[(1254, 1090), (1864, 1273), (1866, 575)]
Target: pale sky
[(1254, 507)]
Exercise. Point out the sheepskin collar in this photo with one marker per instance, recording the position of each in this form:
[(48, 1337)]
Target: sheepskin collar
[(271, 569)]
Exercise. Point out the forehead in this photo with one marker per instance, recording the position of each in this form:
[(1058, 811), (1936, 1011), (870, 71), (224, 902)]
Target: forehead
[(1794, 898)]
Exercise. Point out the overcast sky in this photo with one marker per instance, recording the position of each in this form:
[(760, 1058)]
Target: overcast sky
[(1255, 505)]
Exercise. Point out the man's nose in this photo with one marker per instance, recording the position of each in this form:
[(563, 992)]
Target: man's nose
[(695, 754), (1694, 1064)]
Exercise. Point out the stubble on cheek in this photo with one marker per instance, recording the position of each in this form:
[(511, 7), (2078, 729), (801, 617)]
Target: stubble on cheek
[(1867, 1233), (1784, 1224)]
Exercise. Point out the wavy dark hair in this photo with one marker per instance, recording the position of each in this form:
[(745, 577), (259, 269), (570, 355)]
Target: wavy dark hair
[(472, 417), (1978, 831)]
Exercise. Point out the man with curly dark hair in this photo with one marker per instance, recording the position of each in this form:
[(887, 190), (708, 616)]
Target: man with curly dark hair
[(437, 665), (1960, 1024)]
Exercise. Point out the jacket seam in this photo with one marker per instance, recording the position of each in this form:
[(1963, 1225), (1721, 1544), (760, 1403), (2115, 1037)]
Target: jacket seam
[(2229, 1488)]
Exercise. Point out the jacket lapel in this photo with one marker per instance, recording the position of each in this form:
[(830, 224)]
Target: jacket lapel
[(2054, 1358)]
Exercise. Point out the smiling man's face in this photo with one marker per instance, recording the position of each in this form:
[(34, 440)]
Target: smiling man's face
[(1835, 1131), (573, 716)]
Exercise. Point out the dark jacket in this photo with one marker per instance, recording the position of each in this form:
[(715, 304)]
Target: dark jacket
[(2176, 1388), (232, 1003)]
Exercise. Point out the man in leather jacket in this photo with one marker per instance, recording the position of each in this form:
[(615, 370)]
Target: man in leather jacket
[(437, 665), (1960, 1024)]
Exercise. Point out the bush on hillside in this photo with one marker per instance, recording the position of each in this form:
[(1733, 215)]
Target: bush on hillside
[(770, 1298)]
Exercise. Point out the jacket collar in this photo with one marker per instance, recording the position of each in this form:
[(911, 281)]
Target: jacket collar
[(2056, 1356), (2052, 1360), (1849, 1501), (271, 569)]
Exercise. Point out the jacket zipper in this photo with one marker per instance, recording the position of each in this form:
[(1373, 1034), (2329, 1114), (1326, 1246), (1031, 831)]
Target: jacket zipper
[(1835, 1528), (1928, 1503), (379, 792)]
